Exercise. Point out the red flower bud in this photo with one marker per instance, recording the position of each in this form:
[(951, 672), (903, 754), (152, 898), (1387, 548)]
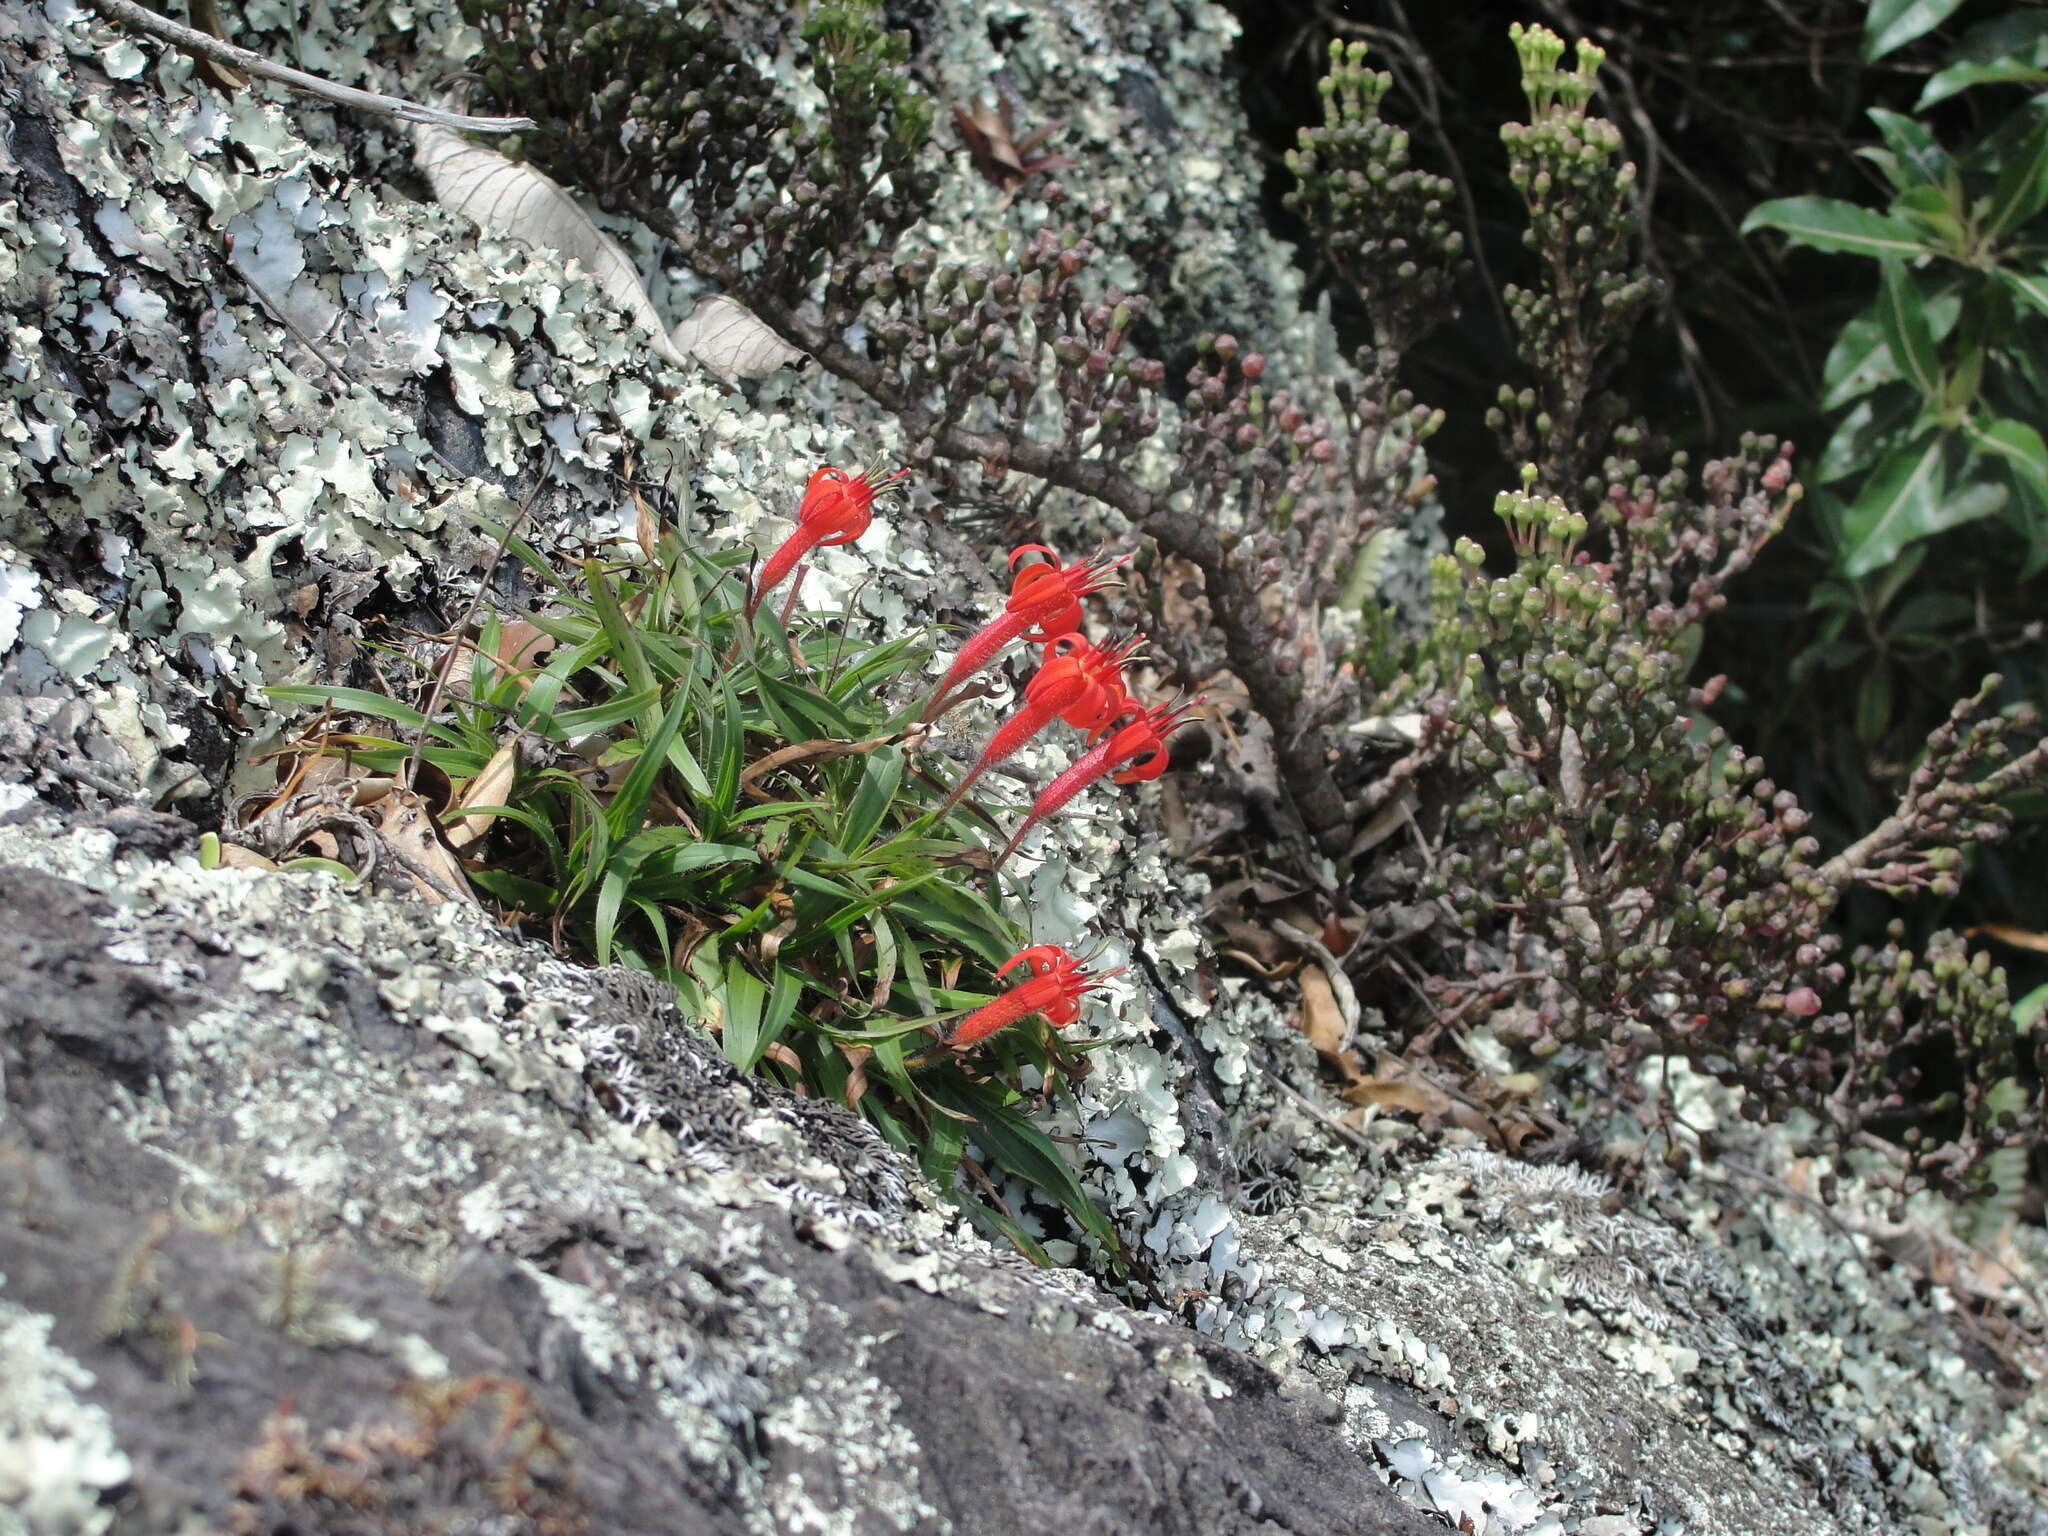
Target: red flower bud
[(1133, 752), (1077, 683)]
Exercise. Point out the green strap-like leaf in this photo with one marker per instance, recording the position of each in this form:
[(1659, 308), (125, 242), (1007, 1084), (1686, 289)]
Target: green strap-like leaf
[(1902, 316), (878, 784), (1829, 225), (1016, 1146), (743, 997), (629, 805), (620, 630)]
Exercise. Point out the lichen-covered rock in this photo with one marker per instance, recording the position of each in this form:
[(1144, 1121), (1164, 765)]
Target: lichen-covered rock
[(323, 1212), (355, 1214)]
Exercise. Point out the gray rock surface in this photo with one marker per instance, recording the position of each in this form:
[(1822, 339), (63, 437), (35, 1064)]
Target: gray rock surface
[(307, 1184), (321, 1210)]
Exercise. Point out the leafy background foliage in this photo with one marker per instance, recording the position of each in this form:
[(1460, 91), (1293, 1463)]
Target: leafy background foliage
[(1888, 595)]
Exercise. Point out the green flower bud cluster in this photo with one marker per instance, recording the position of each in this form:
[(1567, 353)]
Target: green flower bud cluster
[(1940, 1071), (1571, 326), (1539, 525), (1384, 225), (1550, 89)]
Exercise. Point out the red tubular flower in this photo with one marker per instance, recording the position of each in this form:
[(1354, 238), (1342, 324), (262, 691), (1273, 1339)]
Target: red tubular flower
[(1102, 697), (1055, 988), (837, 508), (1045, 599), (1078, 683), (1133, 752)]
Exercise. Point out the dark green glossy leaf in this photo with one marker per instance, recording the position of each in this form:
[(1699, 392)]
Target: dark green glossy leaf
[(1858, 362), (1865, 433), (1907, 334), (2022, 187), (2022, 450), (1957, 78), (1890, 24), (1913, 147), (1828, 225), (1897, 505), (1931, 612), (2030, 288)]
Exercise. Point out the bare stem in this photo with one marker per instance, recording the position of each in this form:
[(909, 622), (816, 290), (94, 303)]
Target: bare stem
[(205, 46)]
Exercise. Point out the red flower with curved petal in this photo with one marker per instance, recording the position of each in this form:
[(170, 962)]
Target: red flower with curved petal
[(1045, 601), (1055, 988), (1133, 752), (1078, 682), (837, 509)]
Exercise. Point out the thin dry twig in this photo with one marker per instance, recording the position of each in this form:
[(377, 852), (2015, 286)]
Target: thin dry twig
[(203, 45), (1308, 1106)]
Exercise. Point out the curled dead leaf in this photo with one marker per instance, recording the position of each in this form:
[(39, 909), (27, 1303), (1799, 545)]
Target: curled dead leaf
[(856, 1079), (1322, 1020), (235, 856), (491, 787), (1397, 1086), (731, 340), (992, 144), (408, 830)]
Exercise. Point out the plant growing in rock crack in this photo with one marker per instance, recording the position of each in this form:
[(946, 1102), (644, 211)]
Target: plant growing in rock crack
[(673, 766), (1673, 886), (1024, 363)]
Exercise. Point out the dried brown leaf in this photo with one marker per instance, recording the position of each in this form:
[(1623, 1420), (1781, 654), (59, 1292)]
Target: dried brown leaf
[(491, 787), (408, 829)]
